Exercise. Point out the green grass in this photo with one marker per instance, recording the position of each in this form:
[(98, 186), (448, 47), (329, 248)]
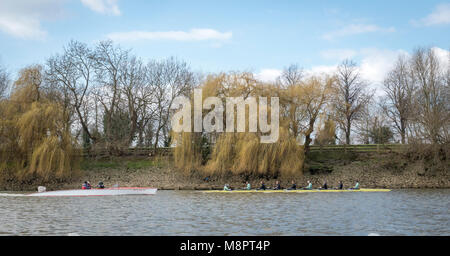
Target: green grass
[(139, 164), (88, 164), (318, 156)]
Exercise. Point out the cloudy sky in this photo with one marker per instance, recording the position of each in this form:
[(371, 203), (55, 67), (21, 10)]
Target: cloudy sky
[(253, 35)]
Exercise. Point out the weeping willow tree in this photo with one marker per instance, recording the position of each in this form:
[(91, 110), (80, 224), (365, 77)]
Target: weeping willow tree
[(36, 143), (326, 134), (240, 153), (243, 153), (187, 153)]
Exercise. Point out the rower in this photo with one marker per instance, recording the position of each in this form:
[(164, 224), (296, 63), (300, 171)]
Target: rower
[(341, 185), (86, 185), (100, 185), (293, 187), (324, 186), (263, 187), (309, 185), (227, 187), (277, 185), (356, 185)]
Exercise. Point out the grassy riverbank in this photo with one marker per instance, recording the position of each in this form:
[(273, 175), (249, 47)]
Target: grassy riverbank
[(384, 170)]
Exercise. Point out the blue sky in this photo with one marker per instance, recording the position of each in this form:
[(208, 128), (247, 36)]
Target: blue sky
[(258, 36)]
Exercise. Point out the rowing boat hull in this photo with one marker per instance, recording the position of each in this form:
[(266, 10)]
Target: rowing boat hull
[(299, 191), (98, 192)]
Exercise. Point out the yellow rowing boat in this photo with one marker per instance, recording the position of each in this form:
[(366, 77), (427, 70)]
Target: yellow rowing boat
[(300, 191)]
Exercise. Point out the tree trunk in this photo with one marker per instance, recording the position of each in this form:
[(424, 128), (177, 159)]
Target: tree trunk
[(307, 143), (347, 133)]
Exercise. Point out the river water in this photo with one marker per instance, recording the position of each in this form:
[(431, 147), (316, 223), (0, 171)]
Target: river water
[(399, 212)]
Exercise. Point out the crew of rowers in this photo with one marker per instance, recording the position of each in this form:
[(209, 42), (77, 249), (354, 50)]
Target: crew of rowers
[(277, 186), (87, 185)]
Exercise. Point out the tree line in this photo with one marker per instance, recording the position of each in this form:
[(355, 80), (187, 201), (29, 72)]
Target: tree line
[(106, 97), (333, 108)]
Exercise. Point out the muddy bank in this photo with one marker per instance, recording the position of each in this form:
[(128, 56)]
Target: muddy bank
[(370, 174), (372, 171)]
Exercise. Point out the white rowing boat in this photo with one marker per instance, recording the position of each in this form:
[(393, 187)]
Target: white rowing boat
[(98, 192)]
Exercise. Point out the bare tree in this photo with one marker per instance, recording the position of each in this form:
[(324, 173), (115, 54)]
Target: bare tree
[(292, 75), (431, 99), (446, 130), (170, 78), (351, 95), (289, 81), (373, 125), (313, 96), (139, 97), (110, 62), (397, 105), (72, 73), (4, 82)]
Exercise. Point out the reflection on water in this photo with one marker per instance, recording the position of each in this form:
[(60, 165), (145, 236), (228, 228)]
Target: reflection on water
[(400, 212)]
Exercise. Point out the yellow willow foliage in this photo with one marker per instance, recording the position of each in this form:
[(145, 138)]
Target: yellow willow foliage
[(243, 153), (233, 84), (327, 133), (222, 157), (41, 130), (50, 158), (187, 153), (304, 102), (35, 141), (39, 120)]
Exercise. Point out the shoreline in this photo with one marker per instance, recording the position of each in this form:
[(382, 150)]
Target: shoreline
[(252, 190), (372, 171)]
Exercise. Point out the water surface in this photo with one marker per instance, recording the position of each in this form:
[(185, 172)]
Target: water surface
[(399, 212)]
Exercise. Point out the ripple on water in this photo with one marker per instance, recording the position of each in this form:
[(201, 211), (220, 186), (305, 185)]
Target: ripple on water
[(400, 212)]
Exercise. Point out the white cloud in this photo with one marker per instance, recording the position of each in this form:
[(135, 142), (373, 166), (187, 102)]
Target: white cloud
[(268, 75), (321, 69), (443, 57), (103, 6), (355, 29), (440, 16), (23, 27), (271, 74), (191, 35), (376, 63), (23, 19)]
